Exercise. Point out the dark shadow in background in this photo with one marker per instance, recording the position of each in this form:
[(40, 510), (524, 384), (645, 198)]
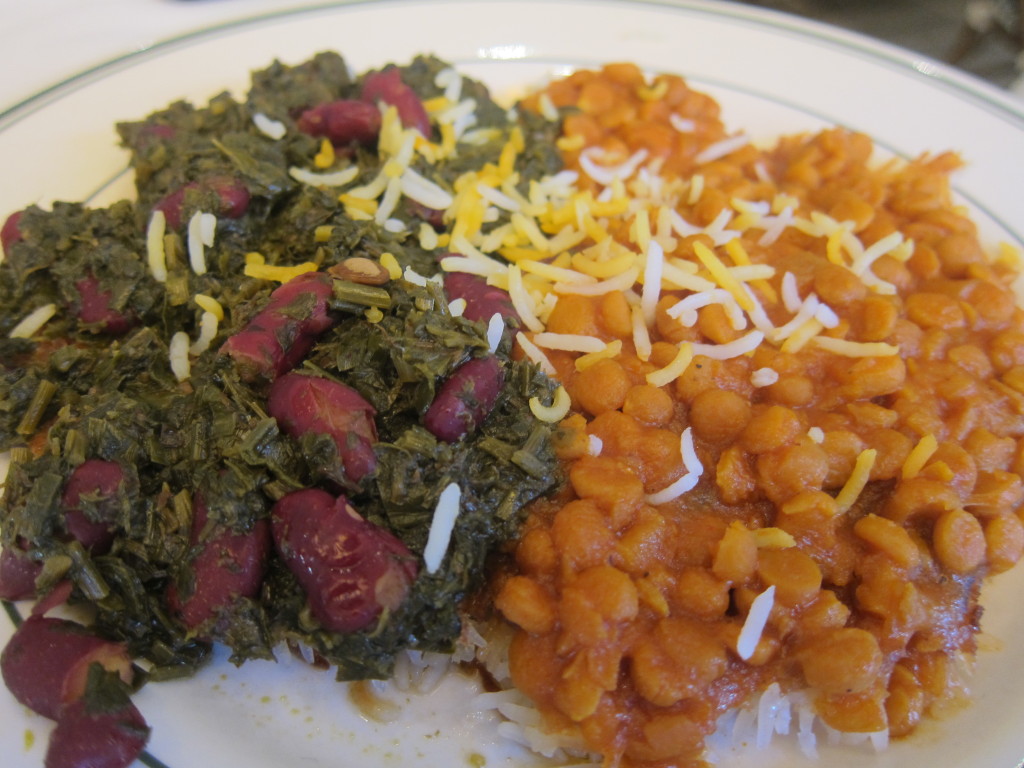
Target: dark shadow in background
[(983, 37)]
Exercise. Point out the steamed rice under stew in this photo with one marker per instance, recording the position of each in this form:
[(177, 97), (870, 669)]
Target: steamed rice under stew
[(704, 419)]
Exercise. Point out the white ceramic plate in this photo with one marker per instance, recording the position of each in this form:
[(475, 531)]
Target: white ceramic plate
[(772, 73)]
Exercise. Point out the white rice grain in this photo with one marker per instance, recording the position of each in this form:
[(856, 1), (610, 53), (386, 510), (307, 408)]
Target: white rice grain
[(333, 179), (753, 626), (495, 330), (32, 322), (272, 129), (609, 174), (441, 527), (155, 254), (721, 149)]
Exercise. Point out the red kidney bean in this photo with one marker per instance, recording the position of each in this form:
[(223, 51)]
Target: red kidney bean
[(59, 595), (465, 399), (482, 300), (97, 736), (233, 196), (432, 216), (229, 565), (281, 334), (18, 574), (342, 122), (171, 205), (46, 662), (159, 130), (10, 233), (98, 481), (148, 134), (94, 308), (232, 199), (350, 569), (387, 86), (308, 404)]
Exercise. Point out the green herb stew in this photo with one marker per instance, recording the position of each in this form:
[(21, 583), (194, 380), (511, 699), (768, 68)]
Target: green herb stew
[(239, 407)]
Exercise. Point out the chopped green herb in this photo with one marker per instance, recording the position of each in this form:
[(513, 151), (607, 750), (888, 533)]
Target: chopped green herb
[(96, 382)]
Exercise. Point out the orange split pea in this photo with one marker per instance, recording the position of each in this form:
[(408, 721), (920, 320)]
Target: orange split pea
[(618, 111), (630, 610)]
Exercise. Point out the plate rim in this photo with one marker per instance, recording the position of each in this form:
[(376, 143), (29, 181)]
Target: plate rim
[(929, 70), (923, 68)]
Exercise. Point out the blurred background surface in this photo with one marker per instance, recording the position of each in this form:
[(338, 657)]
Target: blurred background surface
[(983, 37)]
